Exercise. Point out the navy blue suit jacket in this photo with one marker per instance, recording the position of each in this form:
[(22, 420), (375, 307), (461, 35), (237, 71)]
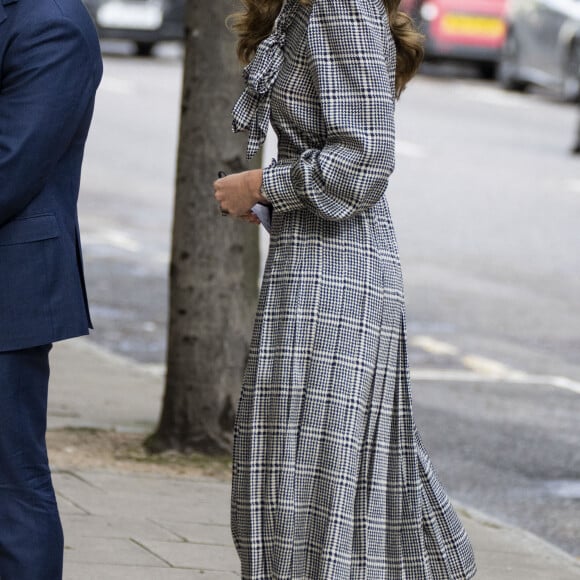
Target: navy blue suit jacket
[(50, 67)]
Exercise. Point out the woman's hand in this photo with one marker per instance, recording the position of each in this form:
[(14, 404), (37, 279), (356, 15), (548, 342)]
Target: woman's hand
[(251, 218), (237, 193)]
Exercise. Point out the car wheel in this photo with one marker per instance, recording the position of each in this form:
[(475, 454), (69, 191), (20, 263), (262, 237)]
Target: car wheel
[(145, 48), (488, 70), (571, 85), (508, 69)]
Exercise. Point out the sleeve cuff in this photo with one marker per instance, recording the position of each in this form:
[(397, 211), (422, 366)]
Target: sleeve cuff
[(277, 188)]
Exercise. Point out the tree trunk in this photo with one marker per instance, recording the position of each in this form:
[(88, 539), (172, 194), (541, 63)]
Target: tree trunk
[(214, 265)]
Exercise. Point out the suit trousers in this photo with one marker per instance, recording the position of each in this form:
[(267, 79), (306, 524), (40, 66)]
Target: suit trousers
[(31, 537)]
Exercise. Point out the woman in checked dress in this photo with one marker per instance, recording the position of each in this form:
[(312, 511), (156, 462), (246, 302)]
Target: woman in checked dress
[(331, 481)]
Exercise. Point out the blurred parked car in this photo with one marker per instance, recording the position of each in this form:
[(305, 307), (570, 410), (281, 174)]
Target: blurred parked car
[(461, 30), (145, 22), (543, 46)]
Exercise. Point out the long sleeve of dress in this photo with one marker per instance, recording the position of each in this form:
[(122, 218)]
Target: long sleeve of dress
[(347, 44)]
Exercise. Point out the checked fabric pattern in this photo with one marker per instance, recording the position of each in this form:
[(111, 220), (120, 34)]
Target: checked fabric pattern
[(330, 479)]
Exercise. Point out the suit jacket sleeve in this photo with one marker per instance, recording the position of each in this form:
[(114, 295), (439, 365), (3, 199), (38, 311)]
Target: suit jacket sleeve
[(46, 84), (348, 62)]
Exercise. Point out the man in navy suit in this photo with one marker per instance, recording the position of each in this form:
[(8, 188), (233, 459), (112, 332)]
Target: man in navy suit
[(576, 146), (50, 67)]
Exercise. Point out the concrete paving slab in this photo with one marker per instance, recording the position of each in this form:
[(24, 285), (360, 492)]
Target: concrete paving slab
[(93, 388), (123, 505), (109, 480), (196, 556), (90, 526), (506, 553), (218, 535), (76, 571), (107, 494), (67, 507), (507, 566), (519, 572), (119, 551)]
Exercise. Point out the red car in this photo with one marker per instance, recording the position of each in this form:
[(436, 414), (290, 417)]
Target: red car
[(462, 30)]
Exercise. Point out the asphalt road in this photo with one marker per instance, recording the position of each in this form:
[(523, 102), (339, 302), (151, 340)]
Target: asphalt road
[(486, 199)]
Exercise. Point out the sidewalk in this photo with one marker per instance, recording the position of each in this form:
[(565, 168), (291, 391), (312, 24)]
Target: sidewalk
[(120, 525)]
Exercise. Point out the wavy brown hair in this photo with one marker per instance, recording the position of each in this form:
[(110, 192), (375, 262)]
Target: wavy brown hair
[(255, 23)]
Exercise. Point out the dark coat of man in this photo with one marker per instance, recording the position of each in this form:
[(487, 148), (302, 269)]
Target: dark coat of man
[(50, 67)]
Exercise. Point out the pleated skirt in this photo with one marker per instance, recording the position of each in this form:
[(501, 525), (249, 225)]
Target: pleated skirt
[(330, 478)]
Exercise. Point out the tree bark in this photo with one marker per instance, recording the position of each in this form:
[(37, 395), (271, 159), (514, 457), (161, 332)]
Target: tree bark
[(214, 264)]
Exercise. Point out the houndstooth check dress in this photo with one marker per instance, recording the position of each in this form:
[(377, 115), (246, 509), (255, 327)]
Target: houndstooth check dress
[(330, 479)]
